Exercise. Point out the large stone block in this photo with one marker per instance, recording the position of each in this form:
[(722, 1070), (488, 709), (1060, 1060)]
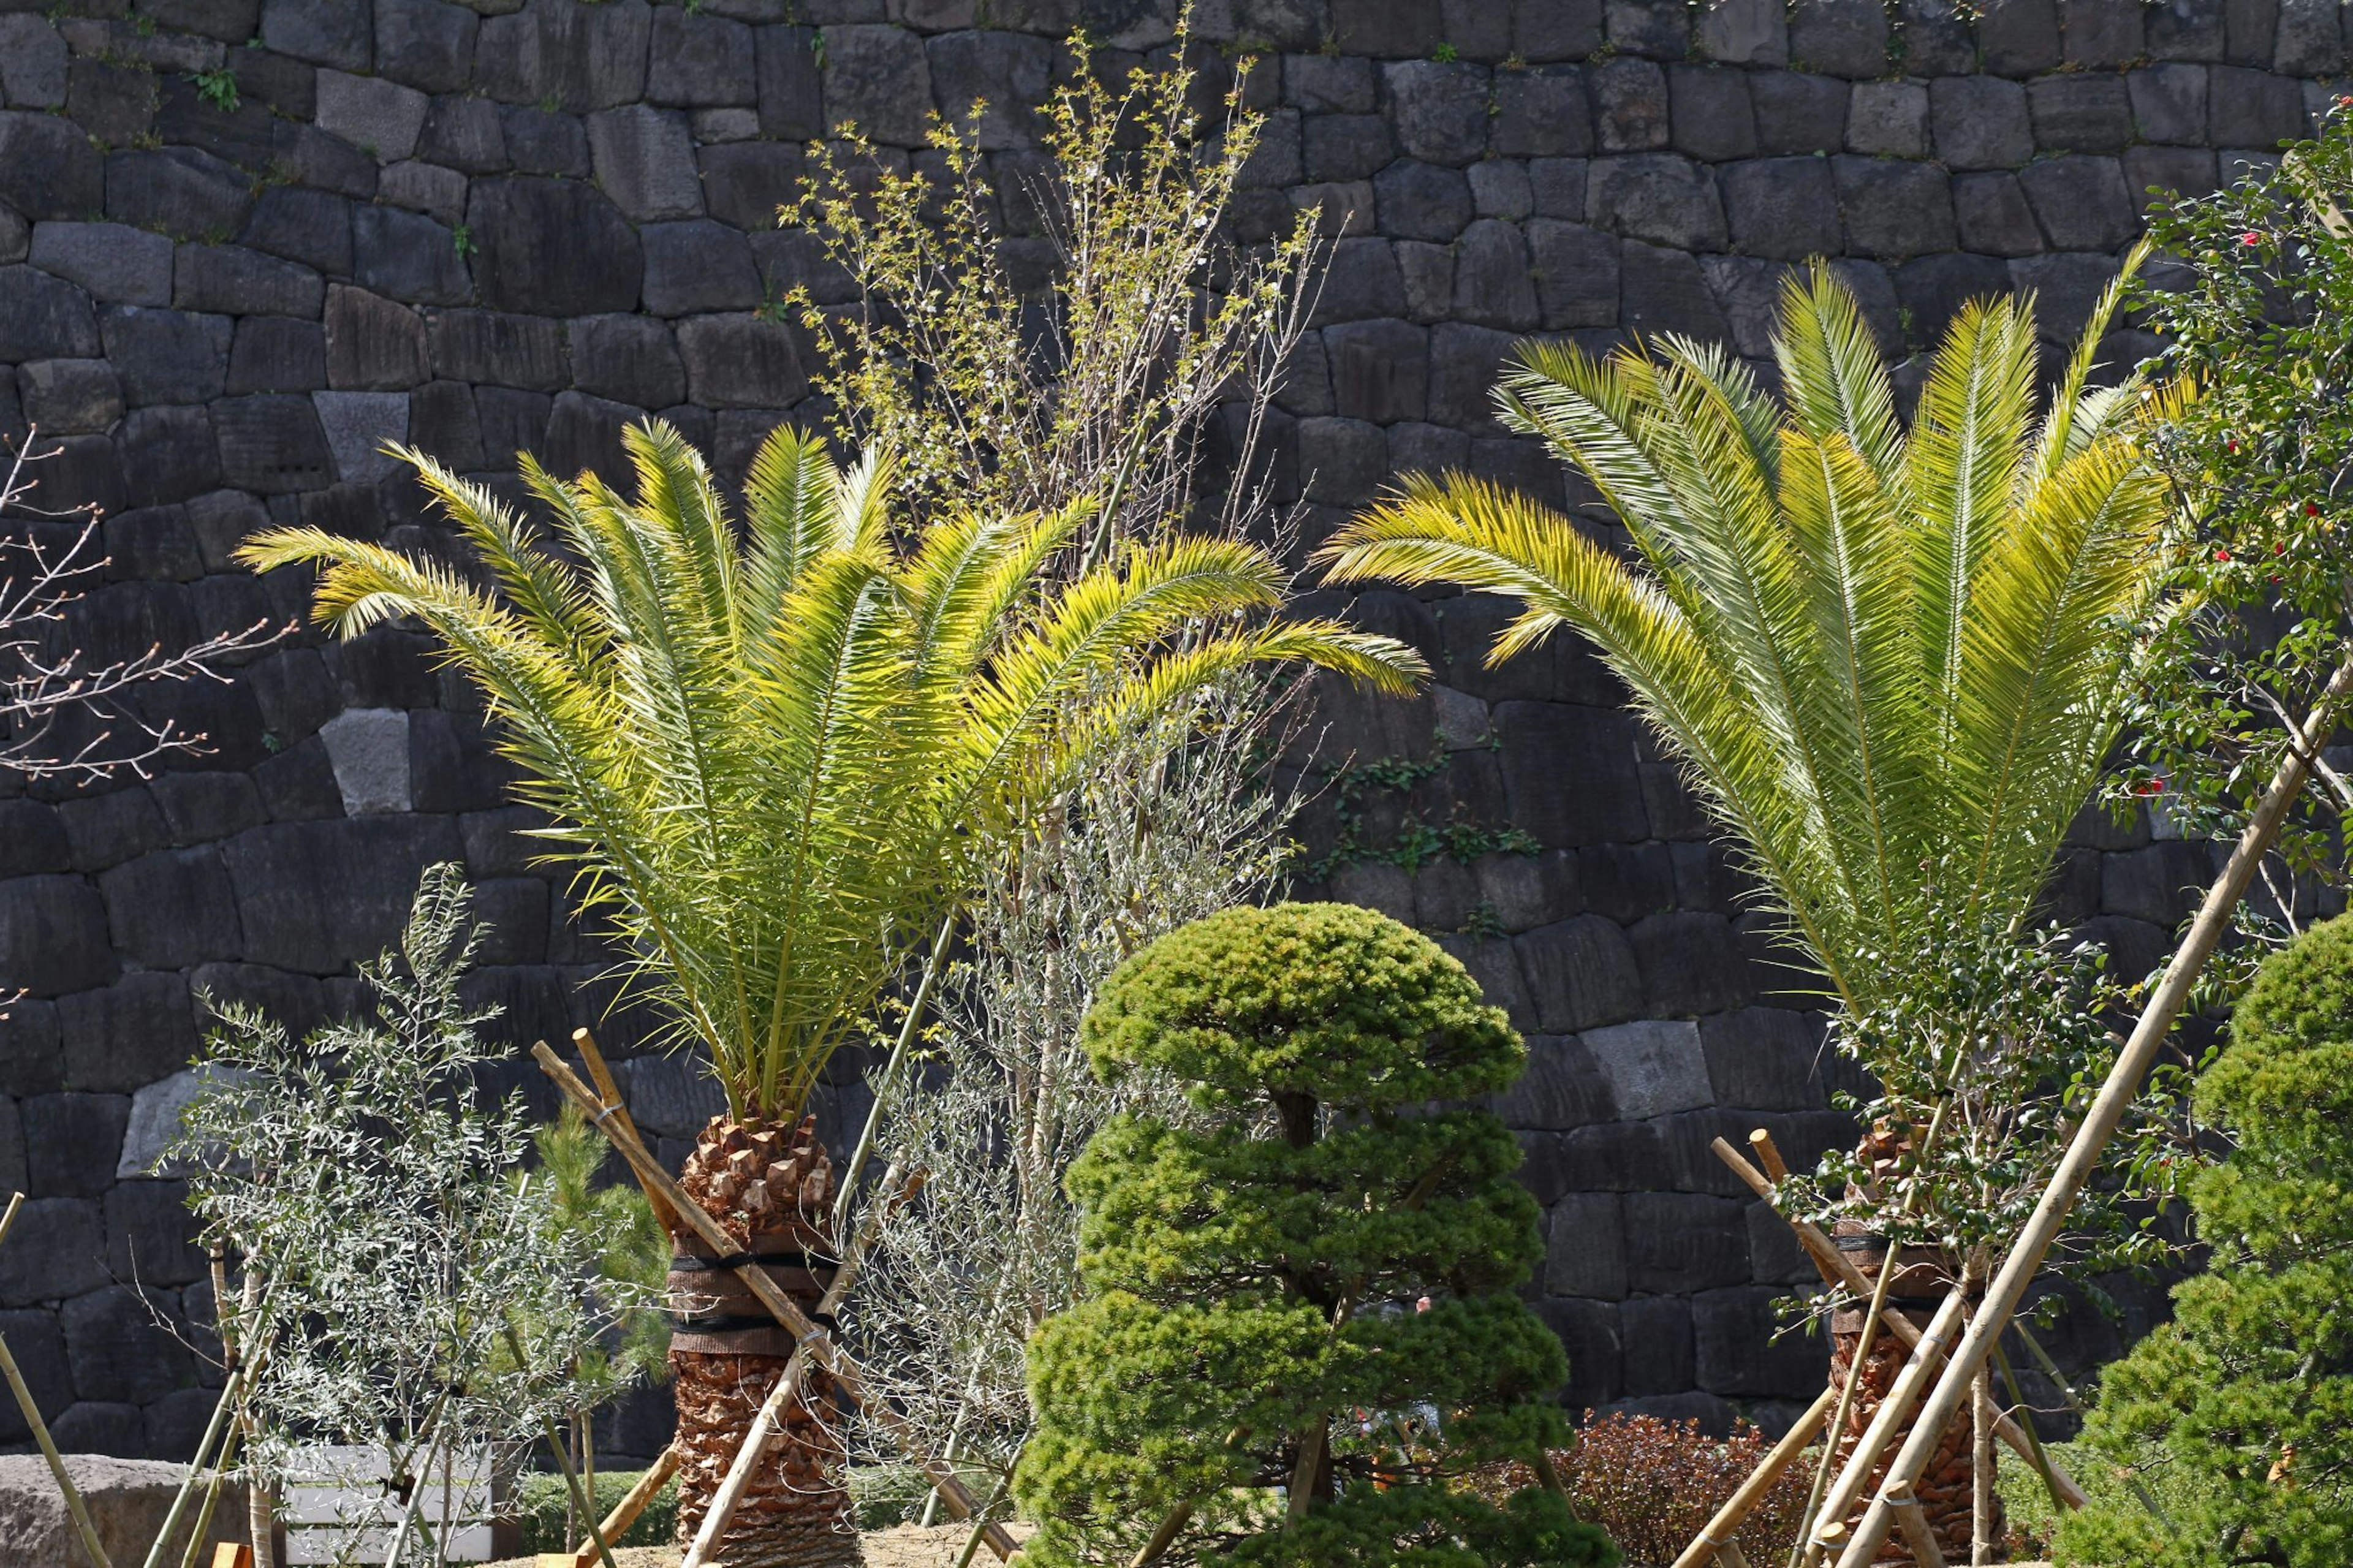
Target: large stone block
[(47, 167), (1711, 115), (1589, 1332), (1784, 208), (72, 1142), (114, 262), (1742, 1351), (271, 444), (698, 266), (1765, 1058), (1656, 1332), (746, 183), (498, 349), (791, 87), (371, 344), (427, 44), (1492, 284), (57, 1249), (1544, 113), (1895, 209), (2253, 108), (1888, 120), (235, 282), (277, 353), (314, 895), (1841, 38), (1656, 1067), (380, 118), (1667, 291), (1576, 273), (32, 63), (1571, 773), (545, 141), (1421, 201), (1584, 1247), (583, 432), (2080, 113), (1008, 74), (1992, 215), (2169, 102), (2081, 202), (879, 78), (1439, 110), (1797, 113), (628, 358), (585, 57), (1361, 280), (1380, 370), (118, 1350), (314, 227), (1342, 462), (53, 935), (1691, 963), (1632, 106), (1562, 1088), (644, 159), (2020, 38), (42, 317), (127, 1498), (359, 427), (552, 247), (1681, 1242), (1658, 197), (1580, 975), (408, 257), (465, 134), (68, 397), (171, 909), (151, 1236), (741, 362), (1933, 289)]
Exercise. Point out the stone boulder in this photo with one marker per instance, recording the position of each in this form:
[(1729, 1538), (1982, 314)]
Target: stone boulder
[(127, 1501)]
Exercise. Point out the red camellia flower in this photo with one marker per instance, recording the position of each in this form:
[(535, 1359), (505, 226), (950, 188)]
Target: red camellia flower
[(2221, 555), (2149, 786), (2251, 239), (2279, 549), (2232, 446)]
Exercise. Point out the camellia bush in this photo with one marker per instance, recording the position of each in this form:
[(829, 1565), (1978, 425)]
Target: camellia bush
[(2240, 1410), (1300, 1331)]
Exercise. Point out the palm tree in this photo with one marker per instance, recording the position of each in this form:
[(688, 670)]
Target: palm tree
[(1893, 662), (778, 757)]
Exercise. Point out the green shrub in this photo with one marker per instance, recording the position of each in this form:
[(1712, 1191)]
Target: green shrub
[(2240, 1410), (1312, 1285), (543, 1510)]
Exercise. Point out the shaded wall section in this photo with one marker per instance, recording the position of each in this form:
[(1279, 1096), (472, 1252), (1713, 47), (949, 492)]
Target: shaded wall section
[(515, 224)]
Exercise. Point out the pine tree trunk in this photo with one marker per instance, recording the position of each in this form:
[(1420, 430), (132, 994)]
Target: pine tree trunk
[(771, 1189)]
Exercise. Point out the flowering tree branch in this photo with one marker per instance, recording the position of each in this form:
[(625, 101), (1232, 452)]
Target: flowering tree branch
[(46, 563)]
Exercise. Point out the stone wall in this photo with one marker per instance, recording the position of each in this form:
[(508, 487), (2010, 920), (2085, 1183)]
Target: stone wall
[(514, 224)]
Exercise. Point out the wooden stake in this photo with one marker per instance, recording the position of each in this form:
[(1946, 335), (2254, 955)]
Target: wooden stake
[(835, 1361), (227, 1556), (1838, 1269), (1981, 1461), (1917, 1533), (2099, 1124), (1729, 1556), (1893, 1411), (765, 1425), (1761, 1143), (625, 1512), (1727, 1522), (608, 1087)]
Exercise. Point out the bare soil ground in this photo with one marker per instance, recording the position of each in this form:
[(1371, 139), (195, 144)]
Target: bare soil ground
[(903, 1546)]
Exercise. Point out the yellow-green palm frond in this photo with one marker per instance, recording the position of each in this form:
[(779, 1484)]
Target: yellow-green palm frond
[(778, 758), (1894, 662)]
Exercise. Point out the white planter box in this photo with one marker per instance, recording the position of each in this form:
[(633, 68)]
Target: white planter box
[(337, 1506)]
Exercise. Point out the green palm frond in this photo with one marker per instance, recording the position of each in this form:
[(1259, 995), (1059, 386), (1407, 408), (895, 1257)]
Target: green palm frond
[(778, 757), (1892, 661)]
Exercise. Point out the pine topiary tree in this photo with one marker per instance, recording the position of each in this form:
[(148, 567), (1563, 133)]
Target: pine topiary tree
[(1300, 1329), (2240, 1412)]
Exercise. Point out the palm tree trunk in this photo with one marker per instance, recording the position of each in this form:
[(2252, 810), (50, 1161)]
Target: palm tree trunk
[(771, 1189), (1946, 1491)]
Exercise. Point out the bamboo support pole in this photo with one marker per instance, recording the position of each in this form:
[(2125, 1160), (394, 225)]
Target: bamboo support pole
[(1711, 1542), (1893, 1411), (1917, 1533), (908, 1028), (633, 1503), (207, 1445), (1729, 1556), (836, 1363), (765, 1425), (769, 1420), (2132, 1067), (1981, 1475), (609, 1088), (1838, 1269), (32, 1412)]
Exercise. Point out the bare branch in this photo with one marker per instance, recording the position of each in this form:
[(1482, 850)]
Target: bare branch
[(48, 687)]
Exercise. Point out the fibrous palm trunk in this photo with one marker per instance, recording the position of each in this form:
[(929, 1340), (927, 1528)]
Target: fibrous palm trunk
[(771, 1188), (1946, 1489)]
